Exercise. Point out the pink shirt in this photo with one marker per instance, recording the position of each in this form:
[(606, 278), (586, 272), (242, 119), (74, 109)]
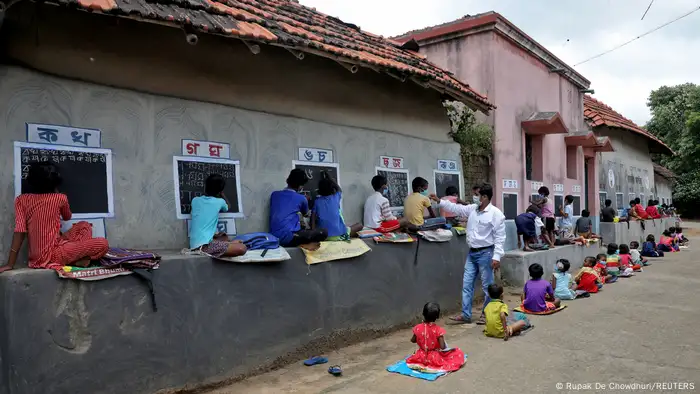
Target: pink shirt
[(546, 210)]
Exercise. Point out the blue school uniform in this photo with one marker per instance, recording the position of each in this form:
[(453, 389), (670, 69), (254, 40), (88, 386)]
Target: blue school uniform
[(329, 216)]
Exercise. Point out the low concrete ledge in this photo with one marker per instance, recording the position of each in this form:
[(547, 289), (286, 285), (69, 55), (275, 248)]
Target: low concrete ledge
[(214, 321), (514, 264), (622, 233)]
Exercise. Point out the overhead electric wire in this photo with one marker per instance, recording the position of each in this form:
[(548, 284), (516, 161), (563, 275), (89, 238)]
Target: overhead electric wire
[(647, 10), (638, 37)]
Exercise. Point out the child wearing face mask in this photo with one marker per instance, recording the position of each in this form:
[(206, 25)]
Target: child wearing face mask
[(415, 203), (378, 215)]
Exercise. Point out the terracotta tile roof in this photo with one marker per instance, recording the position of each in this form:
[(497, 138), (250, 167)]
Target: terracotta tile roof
[(597, 114), (288, 24), (664, 172)]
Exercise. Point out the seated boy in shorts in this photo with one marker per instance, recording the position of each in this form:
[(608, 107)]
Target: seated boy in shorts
[(378, 215)]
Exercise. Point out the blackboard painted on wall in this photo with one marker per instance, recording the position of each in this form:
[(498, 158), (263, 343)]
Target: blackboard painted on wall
[(445, 179), (399, 186), (577, 205), (510, 205), (86, 173), (558, 204), (313, 172), (189, 176)]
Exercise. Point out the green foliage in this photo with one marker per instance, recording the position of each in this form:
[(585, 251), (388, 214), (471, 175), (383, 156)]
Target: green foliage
[(676, 120), (474, 138)]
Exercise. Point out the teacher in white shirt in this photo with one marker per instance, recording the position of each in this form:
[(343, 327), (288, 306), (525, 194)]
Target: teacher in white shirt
[(486, 233)]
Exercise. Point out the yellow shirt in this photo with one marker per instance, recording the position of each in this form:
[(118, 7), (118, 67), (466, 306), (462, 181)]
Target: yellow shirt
[(492, 312), (413, 207)]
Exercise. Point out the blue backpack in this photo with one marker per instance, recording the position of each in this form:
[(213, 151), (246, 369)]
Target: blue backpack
[(256, 241)]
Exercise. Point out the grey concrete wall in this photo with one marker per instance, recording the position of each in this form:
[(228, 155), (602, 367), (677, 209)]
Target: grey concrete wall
[(514, 265), (631, 165), (214, 320), (663, 189), (620, 233), (359, 116)]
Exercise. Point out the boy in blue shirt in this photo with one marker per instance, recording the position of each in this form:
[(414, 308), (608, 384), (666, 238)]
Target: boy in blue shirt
[(205, 217), (286, 208), (328, 213)]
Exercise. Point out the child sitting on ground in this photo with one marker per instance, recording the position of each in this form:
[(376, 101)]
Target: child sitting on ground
[(587, 278), (626, 262), (38, 214), (328, 213), (561, 282), (666, 243), (649, 248), (498, 323), (205, 217), (612, 260), (417, 202), (680, 239), (600, 268), (538, 295), (433, 355), (637, 257)]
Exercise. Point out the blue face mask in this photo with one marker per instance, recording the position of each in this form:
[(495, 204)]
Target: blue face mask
[(424, 192)]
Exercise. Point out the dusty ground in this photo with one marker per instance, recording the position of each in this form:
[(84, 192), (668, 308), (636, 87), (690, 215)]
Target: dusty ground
[(640, 330)]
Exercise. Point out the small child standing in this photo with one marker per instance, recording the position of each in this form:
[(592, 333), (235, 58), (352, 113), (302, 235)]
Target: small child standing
[(498, 323), (205, 217), (637, 255), (561, 282), (626, 261), (649, 248), (538, 291), (433, 355), (587, 278), (327, 212)]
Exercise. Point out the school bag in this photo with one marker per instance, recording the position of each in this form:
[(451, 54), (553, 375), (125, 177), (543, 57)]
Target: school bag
[(257, 241)]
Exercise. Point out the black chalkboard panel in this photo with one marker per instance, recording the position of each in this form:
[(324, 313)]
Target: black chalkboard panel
[(190, 176), (577, 205), (313, 172), (558, 204), (510, 205), (398, 186), (443, 180), (86, 173)]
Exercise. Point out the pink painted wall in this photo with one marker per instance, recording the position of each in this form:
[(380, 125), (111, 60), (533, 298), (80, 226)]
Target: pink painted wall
[(519, 84)]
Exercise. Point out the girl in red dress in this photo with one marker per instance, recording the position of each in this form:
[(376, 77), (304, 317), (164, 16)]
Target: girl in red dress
[(433, 355)]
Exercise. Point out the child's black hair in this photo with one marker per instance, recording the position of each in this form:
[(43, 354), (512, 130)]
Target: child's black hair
[(296, 179), (569, 199), (431, 312), (634, 245), (565, 265), (624, 249), (536, 271), (637, 200), (214, 185), (378, 182), (672, 230), (585, 213), (590, 260), (495, 291), (603, 255), (543, 191), (326, 187), (533, 208), (666, 233), (418, 184), (451, 191), (651, 238), (608, 202), (679, 229), (43, 178), (612, 248)]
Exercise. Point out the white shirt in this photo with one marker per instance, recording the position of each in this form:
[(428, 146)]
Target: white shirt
[(568, 221), (377, 210), (484, 228)]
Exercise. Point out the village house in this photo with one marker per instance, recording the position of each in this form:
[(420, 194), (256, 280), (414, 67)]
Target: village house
[(267, 77), (541, 137), (628, 173), (664, 180)]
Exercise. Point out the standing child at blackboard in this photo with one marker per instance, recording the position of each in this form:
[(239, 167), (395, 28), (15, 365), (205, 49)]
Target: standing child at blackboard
[(286, 206), (327, 212), (38, 215), (205, 217), (415, 203)]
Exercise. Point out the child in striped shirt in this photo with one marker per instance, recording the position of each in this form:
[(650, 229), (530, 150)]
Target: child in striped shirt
[(38, 215)]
